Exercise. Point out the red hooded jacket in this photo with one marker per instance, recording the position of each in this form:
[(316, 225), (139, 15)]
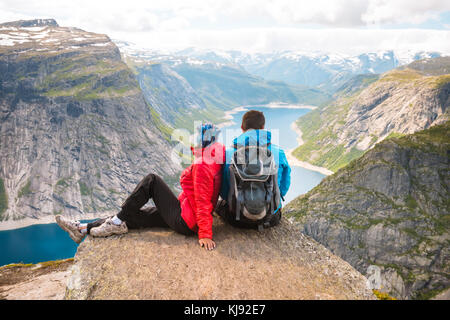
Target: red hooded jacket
[(201, 185)]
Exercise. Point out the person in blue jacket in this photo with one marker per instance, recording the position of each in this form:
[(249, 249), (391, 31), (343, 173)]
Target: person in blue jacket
[(252, 126)]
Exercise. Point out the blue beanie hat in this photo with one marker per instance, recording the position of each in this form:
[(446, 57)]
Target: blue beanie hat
[(206, 134)]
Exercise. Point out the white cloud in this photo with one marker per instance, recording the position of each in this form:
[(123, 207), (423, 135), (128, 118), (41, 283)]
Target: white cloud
[(355, 12), (335, 13), (331, 13), (403, 11), (174, 24), (225, 23), (343, 40)]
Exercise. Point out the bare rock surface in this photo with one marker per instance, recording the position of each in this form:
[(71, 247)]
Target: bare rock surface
[(278, 263), (41, 281), (45, 287)]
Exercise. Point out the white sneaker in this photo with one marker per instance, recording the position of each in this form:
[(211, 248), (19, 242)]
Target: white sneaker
[(109, 228), (71, 227)]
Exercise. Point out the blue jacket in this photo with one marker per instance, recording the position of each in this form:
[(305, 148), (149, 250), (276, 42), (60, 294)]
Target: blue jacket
[(264, 137)]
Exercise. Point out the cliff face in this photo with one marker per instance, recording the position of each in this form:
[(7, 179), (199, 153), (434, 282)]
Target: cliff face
[(279, 263), (388, 209), (226, 86), (171, 96), (76, 133), (402, 101)]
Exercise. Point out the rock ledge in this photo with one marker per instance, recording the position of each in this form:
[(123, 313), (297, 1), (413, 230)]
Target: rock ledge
[(279, 263)]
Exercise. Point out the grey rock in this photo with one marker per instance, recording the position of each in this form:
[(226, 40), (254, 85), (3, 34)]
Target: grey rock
[(168, 92), (388, 209)]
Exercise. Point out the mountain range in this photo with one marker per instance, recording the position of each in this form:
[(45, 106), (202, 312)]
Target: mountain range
[(207, 88), (322, 70)]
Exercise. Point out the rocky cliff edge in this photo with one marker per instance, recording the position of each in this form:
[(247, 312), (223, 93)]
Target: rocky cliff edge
[(279, 263)]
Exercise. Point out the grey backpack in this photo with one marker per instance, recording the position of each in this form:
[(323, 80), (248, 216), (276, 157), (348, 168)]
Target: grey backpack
[(254, 195)]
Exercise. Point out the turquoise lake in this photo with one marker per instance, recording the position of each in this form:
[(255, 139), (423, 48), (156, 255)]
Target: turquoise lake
[(36, 243), (44, 242)]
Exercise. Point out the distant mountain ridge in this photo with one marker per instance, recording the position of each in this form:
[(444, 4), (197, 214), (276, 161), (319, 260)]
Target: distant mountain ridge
[(324, 70), (329, 71)]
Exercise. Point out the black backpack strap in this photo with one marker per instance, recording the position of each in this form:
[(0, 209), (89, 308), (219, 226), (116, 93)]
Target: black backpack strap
[(231, 189), (234, 192), (272, 207), (238, 205)]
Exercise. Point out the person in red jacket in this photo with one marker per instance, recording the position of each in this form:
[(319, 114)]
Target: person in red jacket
[(188, 214)]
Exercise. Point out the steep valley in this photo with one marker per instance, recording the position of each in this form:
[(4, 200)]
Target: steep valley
[(184, 89)]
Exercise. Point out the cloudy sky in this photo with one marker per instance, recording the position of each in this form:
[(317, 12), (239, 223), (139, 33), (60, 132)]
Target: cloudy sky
[(347, 26)]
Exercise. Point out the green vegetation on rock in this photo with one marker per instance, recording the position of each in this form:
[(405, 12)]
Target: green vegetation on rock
[(3, 199), (62, 182), (382, 296), (87, 77), (187, 120), (394, 135), (316, 148), (84, 189), (162, 127), (25, 190), (433, 140)]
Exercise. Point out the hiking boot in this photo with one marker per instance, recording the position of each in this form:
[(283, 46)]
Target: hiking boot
[(108, 228), (71, 227)]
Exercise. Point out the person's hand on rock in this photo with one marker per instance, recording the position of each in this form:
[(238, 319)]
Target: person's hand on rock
[(208, 244)]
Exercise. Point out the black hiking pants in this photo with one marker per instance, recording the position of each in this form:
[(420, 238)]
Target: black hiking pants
[(165, 214)]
